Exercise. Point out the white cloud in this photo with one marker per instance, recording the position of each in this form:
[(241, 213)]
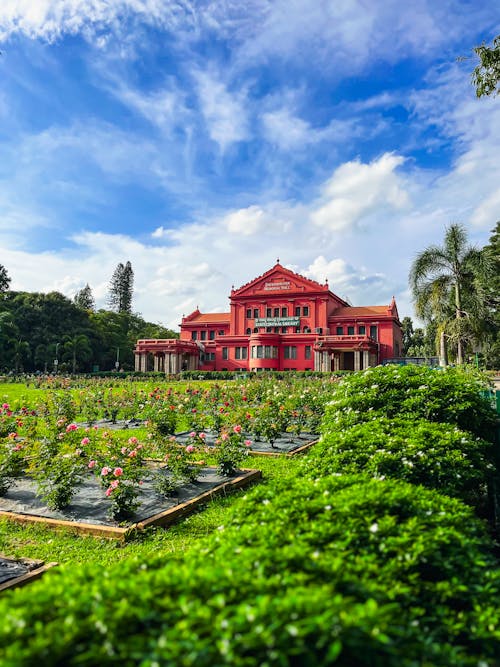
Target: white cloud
[(356, 190), (224, 111)]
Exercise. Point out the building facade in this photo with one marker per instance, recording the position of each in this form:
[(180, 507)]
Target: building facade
[(279, 321)]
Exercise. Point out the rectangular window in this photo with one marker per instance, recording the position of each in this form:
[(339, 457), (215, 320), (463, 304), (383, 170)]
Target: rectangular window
[(276, 312), (290, 352), (297, 311), (256, 312), (362, 330), (269, 312), (305, 311), (211, 335), (224, 352), (249, 313), (373, 332), (350, 331), (240, 352), (203, 335), (194, 335), (284, 329), (284, 312), (340, 331), (307, 351)]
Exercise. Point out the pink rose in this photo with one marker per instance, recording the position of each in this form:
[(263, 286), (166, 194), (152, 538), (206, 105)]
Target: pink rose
[(71, 427), (237, 428), (118, 472), (133, 440), (85, 441), (92, 464), (190, 449), (13, 435), (105, 471), (192, 434), (109, 492), (202, 435), (248, 443), (114, 484), (224, 436), (124, 450)]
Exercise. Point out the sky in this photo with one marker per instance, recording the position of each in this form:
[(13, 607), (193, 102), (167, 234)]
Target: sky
[(202, 140)]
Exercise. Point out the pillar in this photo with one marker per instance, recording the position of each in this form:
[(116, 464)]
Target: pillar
[(336, 362), (137, 362), (317, 360), (155, 363), (357, 359), (366, 358), (144, 362)]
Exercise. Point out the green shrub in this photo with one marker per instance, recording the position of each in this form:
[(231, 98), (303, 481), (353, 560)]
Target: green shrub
[(342, 571), (437, 456), (452, 396)]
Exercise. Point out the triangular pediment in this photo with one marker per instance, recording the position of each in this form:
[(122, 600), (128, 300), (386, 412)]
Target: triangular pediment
[(279, 280)]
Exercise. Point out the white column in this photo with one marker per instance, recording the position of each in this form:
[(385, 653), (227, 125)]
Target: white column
[(137, 362), (336, 362), (366, 359), (317, 360), (155, 363), (357, 355), (144, 362)]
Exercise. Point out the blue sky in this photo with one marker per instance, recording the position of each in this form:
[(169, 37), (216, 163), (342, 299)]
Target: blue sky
[(202, 140)]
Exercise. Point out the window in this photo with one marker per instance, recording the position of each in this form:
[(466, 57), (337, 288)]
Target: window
[(307, 352), (297, 330), (269, 312), (224, 352), (209, 356), (340, 331), (203, 335), (362, 330), (269, 329), (290, 352), (249, 313), (221, 332), (256, 330), (256, 312), (264, 352), (373, 332), (307, 330), (194, 335), (350, 331), (211, 334), (297, 311), (305, 311), (284, 329), (276, 329), (240, 352), (248, 331), (284, 312)]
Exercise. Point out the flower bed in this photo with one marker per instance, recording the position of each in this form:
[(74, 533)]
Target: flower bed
[(15, 572), (285, 443), (88, 511)]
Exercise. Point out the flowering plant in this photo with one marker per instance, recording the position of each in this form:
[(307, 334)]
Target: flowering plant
[(232, 448), (11, 463)]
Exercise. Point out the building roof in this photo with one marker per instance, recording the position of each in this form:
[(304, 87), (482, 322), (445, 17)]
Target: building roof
[(362, 311), (206, 318)]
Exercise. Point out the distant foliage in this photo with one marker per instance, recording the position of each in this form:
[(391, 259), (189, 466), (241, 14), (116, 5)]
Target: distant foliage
[(486, 76), (84, 298)]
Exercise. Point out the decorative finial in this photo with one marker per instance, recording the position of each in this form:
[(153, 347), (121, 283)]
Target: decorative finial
[(277, 260)]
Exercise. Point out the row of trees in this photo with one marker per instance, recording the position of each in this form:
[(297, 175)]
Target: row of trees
[(47, 332)]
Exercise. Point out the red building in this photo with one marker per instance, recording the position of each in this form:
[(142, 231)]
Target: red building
[(279, 321)]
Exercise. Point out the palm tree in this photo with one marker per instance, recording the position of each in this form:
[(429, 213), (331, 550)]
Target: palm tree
[(77, 346), (21, 351), (444, 281)]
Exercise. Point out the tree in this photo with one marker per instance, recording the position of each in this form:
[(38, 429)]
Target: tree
[(121, 288), (491, 288), (444, 281), (76, 347), (20, 352), (84, 298), (4, 279), (486, 76)]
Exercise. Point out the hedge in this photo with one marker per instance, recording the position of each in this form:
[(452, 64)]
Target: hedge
[(343, 571), (449, 396), (437, 456)]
